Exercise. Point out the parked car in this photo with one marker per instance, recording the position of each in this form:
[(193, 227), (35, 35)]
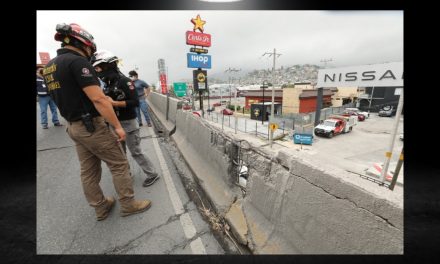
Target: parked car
[(227, 111), (210, 109), (360, 117), (387, 111), (401, 137), (186, 107), (216, 104), (354, 109)]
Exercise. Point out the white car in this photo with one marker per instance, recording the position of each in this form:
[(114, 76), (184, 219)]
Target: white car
[(401, 137), (354, 109)]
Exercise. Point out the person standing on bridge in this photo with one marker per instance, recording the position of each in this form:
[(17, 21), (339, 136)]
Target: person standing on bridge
[(143, 90), (122, 95), (45, 100), (72, 83)]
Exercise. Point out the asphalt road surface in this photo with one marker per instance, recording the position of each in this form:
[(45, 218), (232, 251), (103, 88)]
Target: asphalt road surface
[(66, 224)]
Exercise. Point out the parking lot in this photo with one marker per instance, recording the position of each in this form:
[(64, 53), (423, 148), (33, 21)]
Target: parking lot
[(360, 149)]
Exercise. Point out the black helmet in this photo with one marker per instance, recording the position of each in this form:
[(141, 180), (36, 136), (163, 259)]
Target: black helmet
[(132, 73)]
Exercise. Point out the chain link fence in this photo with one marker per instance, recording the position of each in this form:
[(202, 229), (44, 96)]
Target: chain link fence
[(287, 123)]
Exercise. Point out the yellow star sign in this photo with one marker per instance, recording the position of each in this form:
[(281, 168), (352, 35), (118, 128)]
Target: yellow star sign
[(198, 23)]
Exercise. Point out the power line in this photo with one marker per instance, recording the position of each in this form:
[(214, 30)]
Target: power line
[(326, 61)]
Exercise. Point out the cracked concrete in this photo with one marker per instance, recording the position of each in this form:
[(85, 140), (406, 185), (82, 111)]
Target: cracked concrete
[(342, 198), (127, 246), (237, 221), (291, 205), (66, 224), (186, 242)]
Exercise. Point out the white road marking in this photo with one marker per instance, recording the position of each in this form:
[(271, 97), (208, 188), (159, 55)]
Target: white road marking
[(197, 246)]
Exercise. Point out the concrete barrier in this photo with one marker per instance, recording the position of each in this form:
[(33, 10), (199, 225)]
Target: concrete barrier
[(291, 206)]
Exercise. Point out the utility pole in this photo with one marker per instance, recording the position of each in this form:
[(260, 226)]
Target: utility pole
[(235, 100), (388, 154), (265, 85), (274, 54), (229, 70), (319, 99)]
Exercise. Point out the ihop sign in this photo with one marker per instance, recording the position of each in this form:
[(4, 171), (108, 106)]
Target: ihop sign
[(198, 61)]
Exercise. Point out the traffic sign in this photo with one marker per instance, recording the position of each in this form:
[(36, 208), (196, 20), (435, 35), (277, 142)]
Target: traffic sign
[(198, 61), (179, 89), (305, 139), (273, 126)]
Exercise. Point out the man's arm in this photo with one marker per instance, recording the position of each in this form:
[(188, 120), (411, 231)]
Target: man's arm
[(147, 90), (131, 99), (104, 107)]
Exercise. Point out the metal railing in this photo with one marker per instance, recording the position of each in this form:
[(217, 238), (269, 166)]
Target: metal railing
[(287, 123)]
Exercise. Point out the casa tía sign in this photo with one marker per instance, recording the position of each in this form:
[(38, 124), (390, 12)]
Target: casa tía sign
[(198, 39), (385, 74)]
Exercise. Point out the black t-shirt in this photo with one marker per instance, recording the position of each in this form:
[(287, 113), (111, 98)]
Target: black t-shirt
[(65, 76), (123, 89)]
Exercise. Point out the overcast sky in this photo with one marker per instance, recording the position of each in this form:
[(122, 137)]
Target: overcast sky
[(239, 38)]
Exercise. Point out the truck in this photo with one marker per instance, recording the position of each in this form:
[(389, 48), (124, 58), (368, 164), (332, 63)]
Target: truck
[(334, 125)]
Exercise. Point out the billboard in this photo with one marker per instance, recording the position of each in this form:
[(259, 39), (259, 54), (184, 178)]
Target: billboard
[(198, 39), (198, 61), (385, 74), (163, 83), (200, 80)]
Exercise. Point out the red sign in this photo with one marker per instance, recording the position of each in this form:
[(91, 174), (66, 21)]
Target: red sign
[(199, 39), (163, 83), (44, 57)]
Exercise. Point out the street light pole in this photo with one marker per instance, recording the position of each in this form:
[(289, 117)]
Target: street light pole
[(264, 87), (229, 79), (231, 82)]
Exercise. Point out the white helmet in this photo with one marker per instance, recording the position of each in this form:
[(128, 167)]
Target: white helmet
[(103, 56)]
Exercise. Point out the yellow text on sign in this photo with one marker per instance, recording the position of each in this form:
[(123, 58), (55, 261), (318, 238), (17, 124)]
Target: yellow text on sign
[(273, 126)]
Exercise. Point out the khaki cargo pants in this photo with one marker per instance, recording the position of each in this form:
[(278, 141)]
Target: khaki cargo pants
[(92, 148)]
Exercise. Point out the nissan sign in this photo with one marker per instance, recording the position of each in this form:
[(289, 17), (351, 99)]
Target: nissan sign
[(386, 74)]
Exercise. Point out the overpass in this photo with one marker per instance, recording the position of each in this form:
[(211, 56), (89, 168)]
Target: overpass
[(291, 204)]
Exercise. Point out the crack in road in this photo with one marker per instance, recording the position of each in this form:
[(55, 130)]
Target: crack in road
[(186, 242), (337, 197), (76, 238), (127, 246), (46, 149)]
